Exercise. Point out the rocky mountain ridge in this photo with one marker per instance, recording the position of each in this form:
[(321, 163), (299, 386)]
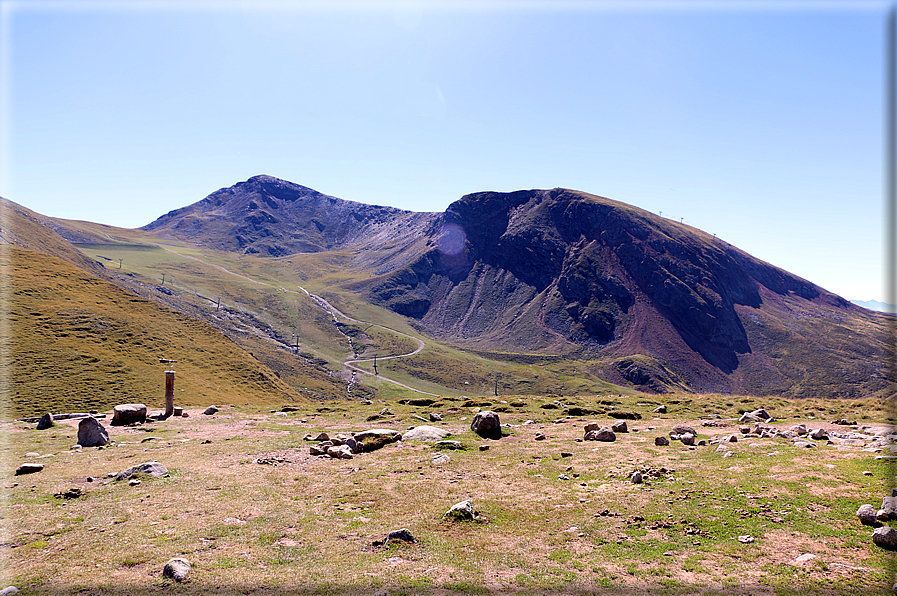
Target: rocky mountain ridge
[(566, 273)]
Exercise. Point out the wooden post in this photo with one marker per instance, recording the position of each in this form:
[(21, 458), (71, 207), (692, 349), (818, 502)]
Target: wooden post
[(169, 393)]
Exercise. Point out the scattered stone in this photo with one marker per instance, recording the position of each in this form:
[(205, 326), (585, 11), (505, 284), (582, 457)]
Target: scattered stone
[(176, 569), (819, 434), (375, 438), (800, 429), (364, 435), (46, 421), (134, 482), (661, 441), (805, 444), (448, 445), (566, 454), (804, 558), (636, 477), (745, 539), (419, 417), (487, 425), (660, 410), (91, 433), (123, 414), (150, 468), (885, 537), (9, 591), (72, 493), (321, 437), (619, 427), (404, 535), (462, 511), (434, 417), (604, 434), (440, 458), (563, 477), (29, 469), (540, 437), (687, 439), (340, 452), (425, 433), (484, 447), (681, 429), (888, 508), (867, 515), (209, 412)]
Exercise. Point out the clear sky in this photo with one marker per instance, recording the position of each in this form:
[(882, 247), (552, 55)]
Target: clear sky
[(761, 122)]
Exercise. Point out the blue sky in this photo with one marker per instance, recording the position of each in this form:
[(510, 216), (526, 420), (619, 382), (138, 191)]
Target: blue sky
[(761, 122)]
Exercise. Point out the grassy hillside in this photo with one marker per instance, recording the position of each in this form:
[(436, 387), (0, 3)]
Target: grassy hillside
[(76, 342)]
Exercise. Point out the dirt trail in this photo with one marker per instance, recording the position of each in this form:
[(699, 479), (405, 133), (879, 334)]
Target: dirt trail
[(336, 314)]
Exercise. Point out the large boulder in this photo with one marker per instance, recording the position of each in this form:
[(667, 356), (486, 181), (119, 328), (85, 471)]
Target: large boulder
[(29, 468), (123, 414), (888, 509), (176, 569), (619, 427), (604, 434), (487, 425), (375, 438), (885, 537), (46, 421), (425, 433), (682, 429), (377, 432), (91, 433), (867, 515), (461, 511)]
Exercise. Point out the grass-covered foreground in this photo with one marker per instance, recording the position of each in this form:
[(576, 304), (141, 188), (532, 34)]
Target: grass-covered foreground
[(255, 513)]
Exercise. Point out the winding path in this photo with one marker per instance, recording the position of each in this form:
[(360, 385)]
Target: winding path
[(335, 314)]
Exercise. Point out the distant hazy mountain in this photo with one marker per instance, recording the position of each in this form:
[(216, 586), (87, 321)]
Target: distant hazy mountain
[(876, 305)]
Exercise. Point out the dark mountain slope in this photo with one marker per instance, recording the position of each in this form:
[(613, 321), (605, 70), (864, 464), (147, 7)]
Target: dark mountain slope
[(564, 271)]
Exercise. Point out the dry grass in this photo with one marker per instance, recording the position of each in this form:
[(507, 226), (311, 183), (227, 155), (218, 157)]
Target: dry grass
[(309, 524)]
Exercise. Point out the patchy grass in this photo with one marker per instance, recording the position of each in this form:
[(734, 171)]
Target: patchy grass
[(557, 515)]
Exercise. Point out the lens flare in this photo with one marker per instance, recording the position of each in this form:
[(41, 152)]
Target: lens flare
[(451, 239)]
